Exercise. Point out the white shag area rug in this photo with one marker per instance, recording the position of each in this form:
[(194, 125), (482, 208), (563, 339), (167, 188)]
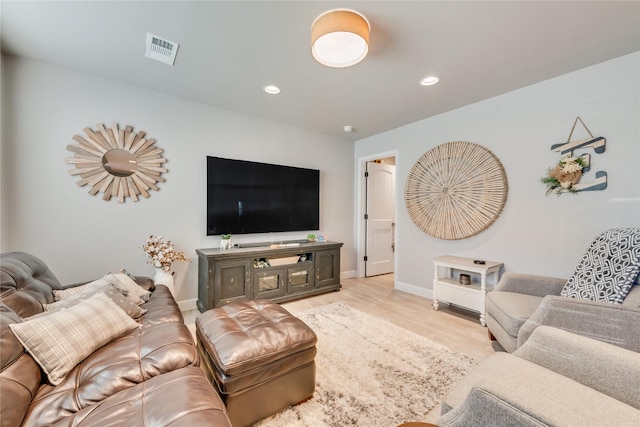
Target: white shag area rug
[(370, 372)]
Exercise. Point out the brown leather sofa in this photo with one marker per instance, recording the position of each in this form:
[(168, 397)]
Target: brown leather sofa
[(147, 377)]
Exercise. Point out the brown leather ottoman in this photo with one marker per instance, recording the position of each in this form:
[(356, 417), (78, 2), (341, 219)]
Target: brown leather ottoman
[(258, 356)]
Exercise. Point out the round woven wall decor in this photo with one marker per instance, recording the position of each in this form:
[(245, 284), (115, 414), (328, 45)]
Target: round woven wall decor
[(456, 190)]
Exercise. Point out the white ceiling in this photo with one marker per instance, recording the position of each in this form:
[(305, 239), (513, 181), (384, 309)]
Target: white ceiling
[(230, 49)]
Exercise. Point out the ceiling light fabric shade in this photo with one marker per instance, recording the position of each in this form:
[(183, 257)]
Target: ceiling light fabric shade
[(340, 38)]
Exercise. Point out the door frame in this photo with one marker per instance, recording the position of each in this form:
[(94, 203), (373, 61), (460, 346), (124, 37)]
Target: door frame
[(361, 200)]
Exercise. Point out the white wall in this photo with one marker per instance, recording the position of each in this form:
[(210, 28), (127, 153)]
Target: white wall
[(534, 234), (81, 236), (3, 206)]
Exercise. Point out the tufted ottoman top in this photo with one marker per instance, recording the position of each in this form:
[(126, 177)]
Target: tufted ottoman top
[(243, 336)]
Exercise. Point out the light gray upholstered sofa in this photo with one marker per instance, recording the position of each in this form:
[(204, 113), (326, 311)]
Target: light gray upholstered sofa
[(521, 302), (556, 378)]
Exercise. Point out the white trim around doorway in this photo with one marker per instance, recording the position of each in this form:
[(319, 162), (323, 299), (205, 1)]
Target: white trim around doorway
[(360, 207)]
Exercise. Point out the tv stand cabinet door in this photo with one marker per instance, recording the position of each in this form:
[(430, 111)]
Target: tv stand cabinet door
[(268, 283), (231, 282), (300, 278), (327, 264)]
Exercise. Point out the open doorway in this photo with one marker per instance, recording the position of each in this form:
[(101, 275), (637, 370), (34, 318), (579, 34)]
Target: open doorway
[(379, 216)]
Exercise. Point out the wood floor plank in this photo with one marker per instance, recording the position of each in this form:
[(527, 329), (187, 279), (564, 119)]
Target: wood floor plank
[(453, 327)]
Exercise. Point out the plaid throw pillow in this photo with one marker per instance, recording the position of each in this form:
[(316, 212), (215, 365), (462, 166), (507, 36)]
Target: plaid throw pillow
[(61, 340)]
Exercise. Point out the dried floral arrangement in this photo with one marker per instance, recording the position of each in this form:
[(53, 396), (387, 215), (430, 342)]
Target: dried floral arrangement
[(565, 175), (162, 253)]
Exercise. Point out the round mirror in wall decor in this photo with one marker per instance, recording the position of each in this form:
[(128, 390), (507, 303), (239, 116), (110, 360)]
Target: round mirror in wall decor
[(117, 162), (456, 190)]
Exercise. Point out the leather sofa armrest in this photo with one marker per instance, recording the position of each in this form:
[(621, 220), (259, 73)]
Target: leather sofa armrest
[(611, 323), (530, 284)]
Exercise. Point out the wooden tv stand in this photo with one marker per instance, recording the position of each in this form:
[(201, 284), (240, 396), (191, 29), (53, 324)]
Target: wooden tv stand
[(291, 271)]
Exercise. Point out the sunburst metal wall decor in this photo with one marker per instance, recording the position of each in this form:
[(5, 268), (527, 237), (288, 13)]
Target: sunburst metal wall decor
[(456, 190), (117, 162)]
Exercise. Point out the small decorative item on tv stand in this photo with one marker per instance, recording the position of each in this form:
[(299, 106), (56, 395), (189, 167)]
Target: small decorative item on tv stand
[(225, 241), (321, 237)]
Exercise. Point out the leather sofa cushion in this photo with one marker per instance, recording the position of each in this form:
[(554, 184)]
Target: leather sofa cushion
[(511, 309), (244, 336), (19, 374), (132, 359), (162, 308), (26, 283), (154, 403)]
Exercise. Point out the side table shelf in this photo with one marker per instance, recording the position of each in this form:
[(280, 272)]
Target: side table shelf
[(447, 287)]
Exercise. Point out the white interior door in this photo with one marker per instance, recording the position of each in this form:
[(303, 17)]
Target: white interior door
[(380, 218)]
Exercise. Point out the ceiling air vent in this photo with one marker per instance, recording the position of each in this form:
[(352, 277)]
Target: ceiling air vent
[(161, 49)]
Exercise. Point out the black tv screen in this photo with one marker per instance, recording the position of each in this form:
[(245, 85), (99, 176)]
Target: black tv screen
[(249, 197)]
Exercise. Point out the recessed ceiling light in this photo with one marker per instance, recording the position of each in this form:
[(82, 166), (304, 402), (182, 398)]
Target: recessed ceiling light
[(271, 89), (429, 80)]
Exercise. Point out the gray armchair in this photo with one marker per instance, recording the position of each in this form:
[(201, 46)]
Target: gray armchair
[(513, 301), (606, 273), (522, 302)]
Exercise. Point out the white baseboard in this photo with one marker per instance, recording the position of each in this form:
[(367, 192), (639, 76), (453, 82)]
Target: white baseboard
[(348, 274), (188, 304), (414, 290)]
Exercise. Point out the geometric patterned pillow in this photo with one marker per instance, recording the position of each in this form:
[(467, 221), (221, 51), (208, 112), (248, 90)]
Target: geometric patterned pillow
[(608, 269), (61, 340)]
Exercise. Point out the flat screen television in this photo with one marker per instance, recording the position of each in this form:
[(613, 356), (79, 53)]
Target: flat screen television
[(249, 197)]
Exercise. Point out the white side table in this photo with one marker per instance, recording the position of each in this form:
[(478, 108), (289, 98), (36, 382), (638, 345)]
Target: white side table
[(447, 287)]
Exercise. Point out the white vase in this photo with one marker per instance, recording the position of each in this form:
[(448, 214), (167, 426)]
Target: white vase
[(164, 277)]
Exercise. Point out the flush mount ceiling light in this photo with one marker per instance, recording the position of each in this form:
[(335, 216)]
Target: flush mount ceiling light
[(340, 38)]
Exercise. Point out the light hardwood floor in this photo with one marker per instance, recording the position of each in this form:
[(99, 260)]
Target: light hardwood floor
[(453, 327)]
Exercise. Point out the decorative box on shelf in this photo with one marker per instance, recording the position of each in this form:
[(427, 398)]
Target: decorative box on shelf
[(469, 290)]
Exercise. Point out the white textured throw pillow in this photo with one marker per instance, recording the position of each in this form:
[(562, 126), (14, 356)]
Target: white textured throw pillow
[(120, 280), (128, 303), (61, 340), (126, 283), (86, 289)]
